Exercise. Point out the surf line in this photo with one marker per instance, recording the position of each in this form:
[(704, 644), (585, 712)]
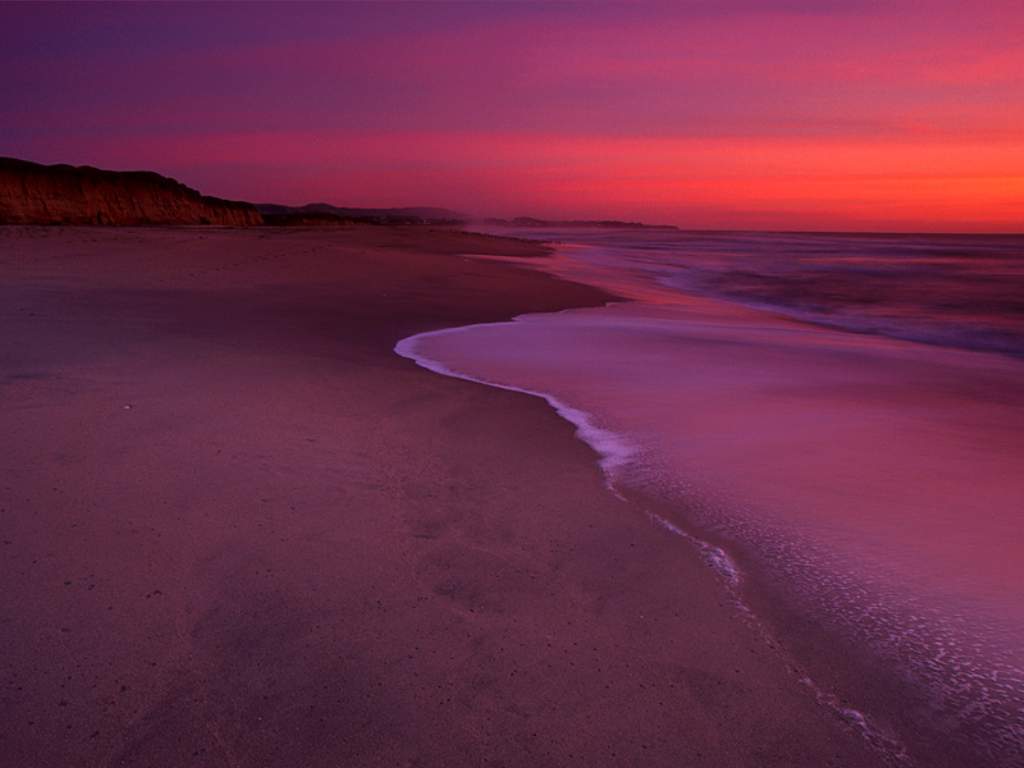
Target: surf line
[(615, 452)]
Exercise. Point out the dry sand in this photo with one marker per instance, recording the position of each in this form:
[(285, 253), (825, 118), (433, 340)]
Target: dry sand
[(237, 530)]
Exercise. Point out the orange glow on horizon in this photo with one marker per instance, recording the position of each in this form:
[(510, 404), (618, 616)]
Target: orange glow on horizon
[(759, 115), (936, 185)]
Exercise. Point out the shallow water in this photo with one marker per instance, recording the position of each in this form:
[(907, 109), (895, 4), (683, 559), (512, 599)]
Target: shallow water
[(875, 481)]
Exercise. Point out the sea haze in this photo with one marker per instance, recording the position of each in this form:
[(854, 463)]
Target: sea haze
[(842, 415)]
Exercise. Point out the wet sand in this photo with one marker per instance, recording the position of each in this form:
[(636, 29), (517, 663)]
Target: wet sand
[(238, 530)]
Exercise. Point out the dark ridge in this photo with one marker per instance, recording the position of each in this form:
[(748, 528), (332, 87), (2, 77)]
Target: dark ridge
[(31, 193), (528, 221), (325, 213)]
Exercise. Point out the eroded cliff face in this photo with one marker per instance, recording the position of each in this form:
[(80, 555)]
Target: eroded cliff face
[(63, 194)]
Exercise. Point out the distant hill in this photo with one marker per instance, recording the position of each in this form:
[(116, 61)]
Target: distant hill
[(324, 213), (31, 193), (527, 221)]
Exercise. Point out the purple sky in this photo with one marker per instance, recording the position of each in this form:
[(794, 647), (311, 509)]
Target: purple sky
[(897, 115)]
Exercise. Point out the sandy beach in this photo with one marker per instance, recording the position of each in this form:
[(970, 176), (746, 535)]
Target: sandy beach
[(238, 530)]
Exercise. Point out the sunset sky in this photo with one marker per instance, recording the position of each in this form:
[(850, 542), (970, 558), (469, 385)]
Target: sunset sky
[(751, 114)]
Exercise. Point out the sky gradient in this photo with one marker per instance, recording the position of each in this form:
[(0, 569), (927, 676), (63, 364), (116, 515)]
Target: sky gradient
[(766, 115)]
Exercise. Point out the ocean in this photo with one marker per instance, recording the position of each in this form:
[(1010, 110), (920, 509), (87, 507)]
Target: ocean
[(835, 422)]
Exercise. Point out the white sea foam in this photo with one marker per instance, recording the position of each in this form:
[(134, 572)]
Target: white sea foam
[(614, 451), (714, 556)]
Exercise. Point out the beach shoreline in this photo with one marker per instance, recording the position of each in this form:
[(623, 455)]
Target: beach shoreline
[(239, 529), (757, 595), (909, 711)]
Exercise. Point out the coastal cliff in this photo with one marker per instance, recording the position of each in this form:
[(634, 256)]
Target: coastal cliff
[(31, 193)]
